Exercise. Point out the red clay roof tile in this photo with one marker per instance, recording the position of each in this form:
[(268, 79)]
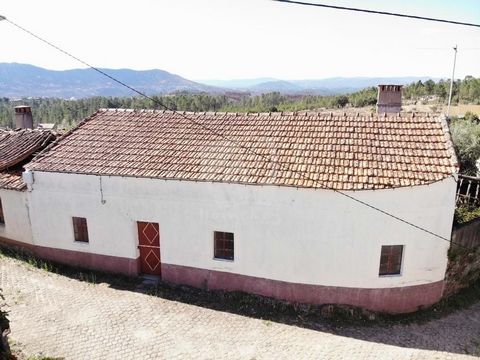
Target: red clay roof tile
[(18, 145), (12, 181), (303, 149)]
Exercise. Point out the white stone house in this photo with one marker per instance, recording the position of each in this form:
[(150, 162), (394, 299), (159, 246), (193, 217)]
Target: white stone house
[(169, 194)]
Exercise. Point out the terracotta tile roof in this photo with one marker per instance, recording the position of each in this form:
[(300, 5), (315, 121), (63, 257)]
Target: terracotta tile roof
[(12, 181), (344, 152), (18, 145)]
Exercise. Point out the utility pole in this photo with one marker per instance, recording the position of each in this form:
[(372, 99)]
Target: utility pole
[(451, 82)]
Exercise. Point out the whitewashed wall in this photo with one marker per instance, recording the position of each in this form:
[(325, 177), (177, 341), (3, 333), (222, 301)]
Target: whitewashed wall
[(296, 235), (17, 223)]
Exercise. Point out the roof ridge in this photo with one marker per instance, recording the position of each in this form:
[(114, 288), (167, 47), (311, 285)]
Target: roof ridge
[(306, 112)]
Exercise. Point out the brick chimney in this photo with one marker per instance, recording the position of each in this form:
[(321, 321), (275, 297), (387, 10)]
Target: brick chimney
[(23, 117), (389, 99)]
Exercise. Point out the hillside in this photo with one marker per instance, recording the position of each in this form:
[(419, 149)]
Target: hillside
[(328, 86), (428, 96), (21, 80)]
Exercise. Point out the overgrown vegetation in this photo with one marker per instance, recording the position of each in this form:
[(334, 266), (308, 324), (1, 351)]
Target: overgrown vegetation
[(465, 213), (69, 112), (466, 138), (306, 315), (464, 91), (278, 102), (462, 258)]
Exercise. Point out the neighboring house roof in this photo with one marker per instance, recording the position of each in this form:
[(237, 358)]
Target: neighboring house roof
[(343, 152), (17, 146), (12, 180)]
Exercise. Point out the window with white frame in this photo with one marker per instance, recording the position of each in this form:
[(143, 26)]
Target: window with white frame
[(391, 260)]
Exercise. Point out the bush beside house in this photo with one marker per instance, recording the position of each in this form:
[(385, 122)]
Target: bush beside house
[(466, 137), (463, 269), (464, 254)]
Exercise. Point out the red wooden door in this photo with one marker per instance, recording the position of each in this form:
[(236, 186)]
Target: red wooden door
[(149, 246)]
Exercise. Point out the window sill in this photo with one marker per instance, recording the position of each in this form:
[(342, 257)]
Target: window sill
[(81, 242), (226, 260), (390, 275)]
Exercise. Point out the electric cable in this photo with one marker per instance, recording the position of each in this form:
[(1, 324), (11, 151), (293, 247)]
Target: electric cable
[(268, 159), (376, 12)]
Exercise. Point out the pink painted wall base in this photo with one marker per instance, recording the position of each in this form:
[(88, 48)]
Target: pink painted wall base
[(390, 300), (113, 264)]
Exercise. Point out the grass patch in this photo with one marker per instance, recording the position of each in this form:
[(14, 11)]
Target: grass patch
[(305, 315), (90, 276)]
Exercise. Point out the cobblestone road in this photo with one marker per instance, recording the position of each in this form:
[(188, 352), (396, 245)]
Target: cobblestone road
[(58, 316)]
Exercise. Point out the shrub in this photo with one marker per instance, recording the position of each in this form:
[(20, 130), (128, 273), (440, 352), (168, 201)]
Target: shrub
[(465, 213), (466, 137)]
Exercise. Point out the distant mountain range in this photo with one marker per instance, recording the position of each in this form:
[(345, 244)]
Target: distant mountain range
[(22, 80), (329, 86)]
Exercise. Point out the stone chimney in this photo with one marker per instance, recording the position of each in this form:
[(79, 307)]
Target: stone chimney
[(389, 99), (23, 117)]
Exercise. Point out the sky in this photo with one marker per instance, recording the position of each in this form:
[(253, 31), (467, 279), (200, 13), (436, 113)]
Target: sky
[(233, 39)]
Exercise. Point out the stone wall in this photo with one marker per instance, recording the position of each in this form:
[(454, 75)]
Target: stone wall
[(463, 257), (463, 268)]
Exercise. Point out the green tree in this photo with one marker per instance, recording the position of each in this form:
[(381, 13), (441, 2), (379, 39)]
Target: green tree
[(340, 101), (466, 138), (430, 87), (70, 112), (441, 90)]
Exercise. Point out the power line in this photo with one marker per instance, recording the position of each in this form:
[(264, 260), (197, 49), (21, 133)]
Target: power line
[(81, 61), (377, 12), (441, 48), (236, 143)]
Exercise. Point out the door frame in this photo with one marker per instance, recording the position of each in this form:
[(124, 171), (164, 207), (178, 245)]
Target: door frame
[(142, 255)]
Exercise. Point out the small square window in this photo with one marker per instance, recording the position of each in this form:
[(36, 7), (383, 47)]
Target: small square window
[(2, 218), (80, 230), (223, 245), (391, 260)]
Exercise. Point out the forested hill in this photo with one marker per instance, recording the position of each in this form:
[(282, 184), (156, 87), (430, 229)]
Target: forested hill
[(21, 80), (69, 112)]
